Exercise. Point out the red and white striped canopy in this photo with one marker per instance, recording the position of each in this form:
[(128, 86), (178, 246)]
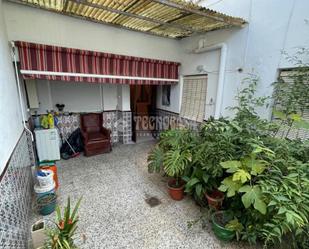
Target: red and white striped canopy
[(67, 64)]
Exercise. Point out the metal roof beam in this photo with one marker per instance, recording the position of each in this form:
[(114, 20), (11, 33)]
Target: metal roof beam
[(198, 12), (148, 19)]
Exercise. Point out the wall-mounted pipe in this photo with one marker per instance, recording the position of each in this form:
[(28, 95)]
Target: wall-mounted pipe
[(220, 88), (21, 102)]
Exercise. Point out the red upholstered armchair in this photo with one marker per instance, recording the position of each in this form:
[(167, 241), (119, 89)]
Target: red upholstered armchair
[(96, 138)]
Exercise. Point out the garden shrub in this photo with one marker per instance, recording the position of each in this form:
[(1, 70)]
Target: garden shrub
[(265, 177)]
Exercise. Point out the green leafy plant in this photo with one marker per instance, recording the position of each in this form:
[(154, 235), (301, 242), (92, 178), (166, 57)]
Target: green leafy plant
[(155, 160), (62, 237), (244, 174), (263, 186), (265, 176), (214, 145), (286, 189), (236, 226), (172, 154), (246, 110), (291, 96)]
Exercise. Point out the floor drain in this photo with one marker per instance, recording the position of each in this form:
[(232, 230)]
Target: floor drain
[(153, 201)]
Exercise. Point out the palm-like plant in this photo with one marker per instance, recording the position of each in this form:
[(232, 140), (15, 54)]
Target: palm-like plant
[(175, 163), (155, 160), (172, 154), (62, 237)]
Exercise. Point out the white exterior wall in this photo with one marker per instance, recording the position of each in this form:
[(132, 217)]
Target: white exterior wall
[(11, 120), (273, 26), (82, 96), (175, 99), (210, 61)]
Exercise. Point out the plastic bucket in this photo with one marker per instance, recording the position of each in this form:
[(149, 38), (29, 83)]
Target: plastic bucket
[(45, 177), (52, 168), (41, 191), (47, 204)]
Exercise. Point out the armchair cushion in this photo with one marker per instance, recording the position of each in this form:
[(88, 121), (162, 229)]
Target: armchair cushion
[(96, 136)]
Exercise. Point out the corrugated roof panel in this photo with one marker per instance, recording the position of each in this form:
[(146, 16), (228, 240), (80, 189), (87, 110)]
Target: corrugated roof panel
[(135, 23), (172, 32), (169, 18), (157, 11), (199, 23)]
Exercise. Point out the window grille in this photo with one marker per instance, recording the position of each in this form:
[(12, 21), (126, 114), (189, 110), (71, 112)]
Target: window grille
[(289, 77)]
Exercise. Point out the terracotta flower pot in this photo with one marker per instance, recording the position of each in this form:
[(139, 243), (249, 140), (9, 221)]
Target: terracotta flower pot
[(215, 199), (176, 192)]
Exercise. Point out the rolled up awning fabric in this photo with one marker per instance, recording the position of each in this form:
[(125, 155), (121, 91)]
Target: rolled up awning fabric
[(40, 61)]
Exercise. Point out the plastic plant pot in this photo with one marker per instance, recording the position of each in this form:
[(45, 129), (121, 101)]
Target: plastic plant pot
[(176, 192), (219, 219), (47, 204)]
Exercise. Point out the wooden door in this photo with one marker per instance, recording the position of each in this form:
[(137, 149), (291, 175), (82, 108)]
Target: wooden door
[(143, 101)]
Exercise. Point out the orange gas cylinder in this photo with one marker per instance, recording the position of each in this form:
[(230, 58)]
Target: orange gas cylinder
[(54, 169)]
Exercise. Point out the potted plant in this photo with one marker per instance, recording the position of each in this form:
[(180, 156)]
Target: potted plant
[(215, 143), (224, 226), (202, 184), (215, 198), (172, 155), (175, 162), (38, 234), (62, 236), (47, 203)]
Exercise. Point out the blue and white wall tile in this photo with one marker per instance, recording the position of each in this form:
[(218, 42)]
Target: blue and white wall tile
[(15, 198)]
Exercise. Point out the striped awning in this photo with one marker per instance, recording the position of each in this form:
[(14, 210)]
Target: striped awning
[(40, 61)]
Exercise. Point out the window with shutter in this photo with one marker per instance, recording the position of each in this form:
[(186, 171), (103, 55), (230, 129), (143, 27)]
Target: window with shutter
[(290, 77), (194, 97)]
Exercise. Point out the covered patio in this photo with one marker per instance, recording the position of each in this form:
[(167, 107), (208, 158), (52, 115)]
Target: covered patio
[(169, 123)]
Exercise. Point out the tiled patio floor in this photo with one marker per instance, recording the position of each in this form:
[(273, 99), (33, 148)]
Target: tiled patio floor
[(114, 213)]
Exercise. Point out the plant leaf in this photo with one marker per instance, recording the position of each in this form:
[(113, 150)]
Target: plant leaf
[(205, 177), (230, 186), (192, 182), (155, 160), (279, 114), (76, 209), (58, 212), (199, 189), (260, 205), (175, 162), (253, 195), (241, 175), (231, 166), (295, 117), (258, 167)]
